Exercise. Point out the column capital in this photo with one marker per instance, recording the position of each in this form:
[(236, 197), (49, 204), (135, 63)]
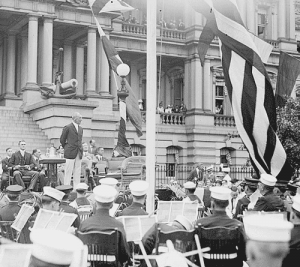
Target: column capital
[(92, 29), (80, 44), (33, 16), (49, 18)]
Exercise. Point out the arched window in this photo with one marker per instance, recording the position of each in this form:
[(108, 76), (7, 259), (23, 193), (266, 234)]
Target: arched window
[(138, 150), (172, 161), (227, 156)]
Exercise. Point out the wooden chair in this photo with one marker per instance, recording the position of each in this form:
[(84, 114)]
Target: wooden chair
[(103, 247), (182, 240), (8, 232), (133, 168), (223, 243)]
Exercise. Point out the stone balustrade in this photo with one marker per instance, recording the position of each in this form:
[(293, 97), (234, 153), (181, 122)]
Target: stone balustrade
[(134, 28), (172, 118), (173, 34), (224, 121)]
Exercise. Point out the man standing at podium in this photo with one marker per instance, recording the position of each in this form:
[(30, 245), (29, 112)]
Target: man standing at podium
[(71, 140)]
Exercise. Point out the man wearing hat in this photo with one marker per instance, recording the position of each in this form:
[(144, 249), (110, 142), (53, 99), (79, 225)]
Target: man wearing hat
[(109, 181), (293, 258), (65, 204), (51, 198), (138, 190), (226, 171), (190, 189), (11, 210), (81, 199), (55, 248), (268, 240), (219, 201), (242, 204), (101, 221), (196, 174), (150, 237), (269, 201)]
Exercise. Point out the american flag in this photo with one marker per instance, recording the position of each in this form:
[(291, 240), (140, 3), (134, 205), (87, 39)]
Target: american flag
[(249, 87)]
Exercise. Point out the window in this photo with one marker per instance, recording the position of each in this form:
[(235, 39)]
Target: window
[(172, 161), (262, 21), (219, 97)]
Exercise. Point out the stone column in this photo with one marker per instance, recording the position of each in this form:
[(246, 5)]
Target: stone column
[(1, 64), (11, 64), (80, 68), (18, 66), (281, 19), (251, 16), (91, 62), (32, 53), (68, 66), (104, 72), (4, 64), (291, 20), (207, 86), (188, 91), (47, 64), (24, 60), (197, 88)]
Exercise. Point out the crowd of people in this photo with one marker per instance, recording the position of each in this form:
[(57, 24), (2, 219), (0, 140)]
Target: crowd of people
[(171, 108), (221, 201)]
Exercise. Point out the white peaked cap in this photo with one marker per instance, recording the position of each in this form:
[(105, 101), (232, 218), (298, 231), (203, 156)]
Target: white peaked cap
[(227, 169), (139, 187), (220, 192), (82, 186), (296, 202), (267, 179), (54, 193), (53, 246), (105, 193), (210, 168), (189, 185), (184, 221), (267, 228), (108, 181)]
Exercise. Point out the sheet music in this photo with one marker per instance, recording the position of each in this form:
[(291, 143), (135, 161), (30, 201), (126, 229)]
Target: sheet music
[(113, 210), (136, 226), (22, 217), (168, 210), (47, 219)]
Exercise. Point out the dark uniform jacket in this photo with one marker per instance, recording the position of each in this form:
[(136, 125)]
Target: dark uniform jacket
[(71, 140), (5, 164), (241, 206), (292, 259), (68, 209), (193, 174), (220, 218), (101, 221), (135, 209), (10, 211), (149, 239), (269, 202), (206, 197)]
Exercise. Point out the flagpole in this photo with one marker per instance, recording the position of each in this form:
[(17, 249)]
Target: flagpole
[(151, 102)]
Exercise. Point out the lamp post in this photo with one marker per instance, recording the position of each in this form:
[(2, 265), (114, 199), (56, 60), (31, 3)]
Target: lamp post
[(123, 70)]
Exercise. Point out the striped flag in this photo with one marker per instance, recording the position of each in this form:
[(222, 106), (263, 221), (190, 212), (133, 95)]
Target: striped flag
[(249, 87), (116, 6)]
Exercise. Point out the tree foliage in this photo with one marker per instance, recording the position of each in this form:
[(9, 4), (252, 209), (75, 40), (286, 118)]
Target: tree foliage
[(288, 130)]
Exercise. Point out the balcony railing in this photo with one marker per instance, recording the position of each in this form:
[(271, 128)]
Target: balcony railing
[(163, 32), (134, 28), (172, 118), (225, 121), (274, 43), (173, 34)]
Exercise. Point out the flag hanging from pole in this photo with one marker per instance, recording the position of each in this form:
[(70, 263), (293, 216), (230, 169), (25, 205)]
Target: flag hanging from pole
[(289, 70), (116, 6), (248, 85)]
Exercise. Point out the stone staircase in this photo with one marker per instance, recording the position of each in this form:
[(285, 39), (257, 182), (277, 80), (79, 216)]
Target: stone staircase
[(15, 125)]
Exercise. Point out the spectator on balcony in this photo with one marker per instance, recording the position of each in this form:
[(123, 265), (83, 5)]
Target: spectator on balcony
[(160, 108), (176, 109), (181, 25), (221, 110), (144, 21), (128, 20), (169, 109), (217, 109), (162, 23), (182, 108), (171, 25), (141, 107)]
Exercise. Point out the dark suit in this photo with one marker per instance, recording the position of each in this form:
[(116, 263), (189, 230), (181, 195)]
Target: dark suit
[(40, 169), (5, 173), (135, 209), (101, 221), (269, 202), (18, 159), (194, 175), (241, 206), (10, 211), (71, 140)]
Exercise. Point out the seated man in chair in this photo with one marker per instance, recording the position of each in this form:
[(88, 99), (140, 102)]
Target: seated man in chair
[(87, 165), (219, 201), (40, 168), (22, 164)]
